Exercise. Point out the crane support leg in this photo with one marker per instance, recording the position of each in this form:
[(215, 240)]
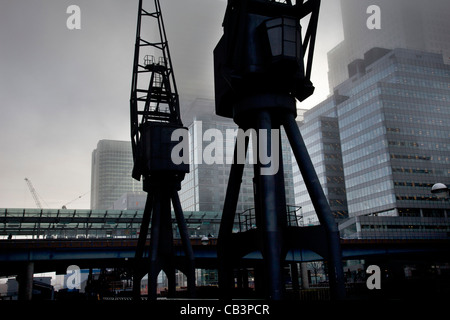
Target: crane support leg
[(224, 250), (320, 204), (271, 236)]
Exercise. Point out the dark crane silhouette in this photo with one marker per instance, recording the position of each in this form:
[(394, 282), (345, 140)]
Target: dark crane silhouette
[(155, 116), (261, 67)]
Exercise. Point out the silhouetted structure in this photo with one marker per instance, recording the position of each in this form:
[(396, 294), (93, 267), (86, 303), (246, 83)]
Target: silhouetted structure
[(155, 115), (259, 74)]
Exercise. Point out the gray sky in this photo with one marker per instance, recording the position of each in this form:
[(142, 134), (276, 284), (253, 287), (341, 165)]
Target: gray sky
[(61, 91)]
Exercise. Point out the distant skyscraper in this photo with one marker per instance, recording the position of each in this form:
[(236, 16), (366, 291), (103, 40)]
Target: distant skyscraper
[(131, 201), (320, 130), (112, 163), (412, 24), (204, 188), (393, 115)]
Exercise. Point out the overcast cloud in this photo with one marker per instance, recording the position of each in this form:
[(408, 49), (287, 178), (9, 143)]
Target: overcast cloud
[(63, 90)]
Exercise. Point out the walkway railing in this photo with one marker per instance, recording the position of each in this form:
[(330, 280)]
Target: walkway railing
[(247, 219)]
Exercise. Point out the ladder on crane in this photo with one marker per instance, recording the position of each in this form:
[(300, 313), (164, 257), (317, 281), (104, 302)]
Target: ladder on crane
[(155, 115)]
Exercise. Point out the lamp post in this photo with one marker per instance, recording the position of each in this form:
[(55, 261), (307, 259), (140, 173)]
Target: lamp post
[(205, 240), (442, 192)]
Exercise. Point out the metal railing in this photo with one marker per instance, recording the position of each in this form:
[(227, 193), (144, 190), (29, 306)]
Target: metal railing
[(247, 219)]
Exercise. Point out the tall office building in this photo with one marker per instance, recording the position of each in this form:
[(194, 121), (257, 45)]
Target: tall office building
[(411, 24), (320, 131), (393, 114), (204, 188), (395, 132), (112, 163)]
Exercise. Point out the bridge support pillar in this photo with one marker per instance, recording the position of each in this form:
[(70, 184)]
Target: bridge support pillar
[(25, 280), (304, 272), (294, 277)]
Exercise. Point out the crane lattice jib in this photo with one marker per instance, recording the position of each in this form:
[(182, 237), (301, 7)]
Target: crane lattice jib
[(154, 101), (33, 193), (155, 116)]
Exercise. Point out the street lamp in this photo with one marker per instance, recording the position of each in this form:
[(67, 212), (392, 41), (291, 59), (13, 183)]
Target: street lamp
[(440, 190), (205, 241)]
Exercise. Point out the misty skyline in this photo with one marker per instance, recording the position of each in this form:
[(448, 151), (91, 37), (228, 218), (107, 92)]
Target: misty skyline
[(64, 90)]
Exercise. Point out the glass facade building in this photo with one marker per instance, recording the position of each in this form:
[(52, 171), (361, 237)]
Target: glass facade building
[(112, 163), (393, 114), (395, 228), (395, 133), (204, 188), (320, 131), (412, 24), (130, 201)]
